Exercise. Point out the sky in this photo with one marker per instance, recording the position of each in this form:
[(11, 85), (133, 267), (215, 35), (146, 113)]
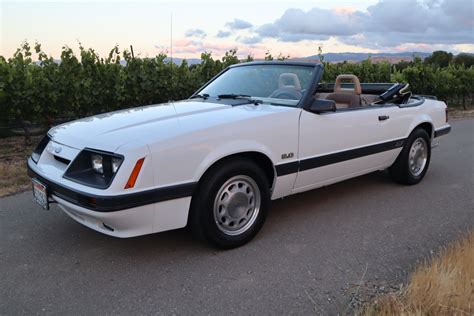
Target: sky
[(295, 28)]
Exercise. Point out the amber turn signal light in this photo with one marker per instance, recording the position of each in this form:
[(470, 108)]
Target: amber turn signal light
[(134, 175)]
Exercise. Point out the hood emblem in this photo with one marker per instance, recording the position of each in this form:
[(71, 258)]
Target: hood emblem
[(57, 150)]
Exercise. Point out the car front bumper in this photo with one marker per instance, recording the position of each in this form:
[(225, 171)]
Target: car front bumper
[(125, 215), (137, 221)]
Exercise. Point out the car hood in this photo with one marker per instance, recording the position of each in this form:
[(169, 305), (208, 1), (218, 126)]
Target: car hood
[(145, 124)]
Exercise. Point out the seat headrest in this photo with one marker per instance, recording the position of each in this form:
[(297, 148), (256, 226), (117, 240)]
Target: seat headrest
[(338, 85), (285, 77)]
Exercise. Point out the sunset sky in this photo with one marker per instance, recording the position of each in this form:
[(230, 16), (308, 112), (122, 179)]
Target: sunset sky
[(293, 28)]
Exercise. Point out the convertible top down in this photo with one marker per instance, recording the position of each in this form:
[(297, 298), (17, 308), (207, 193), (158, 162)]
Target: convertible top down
[(256, 132)]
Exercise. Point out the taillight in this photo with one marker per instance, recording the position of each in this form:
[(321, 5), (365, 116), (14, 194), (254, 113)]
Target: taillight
[(446, 111)]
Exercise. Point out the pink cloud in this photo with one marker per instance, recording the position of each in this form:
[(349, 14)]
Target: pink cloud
[(185, 48), (344, 10), (420, 47), (182, 42)]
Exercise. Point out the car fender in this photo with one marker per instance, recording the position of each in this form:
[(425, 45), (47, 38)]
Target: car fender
[(231, 148)]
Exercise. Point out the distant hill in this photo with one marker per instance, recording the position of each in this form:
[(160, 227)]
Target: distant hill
[(190, 61), (177, 61), (358, 57), (392, 58)]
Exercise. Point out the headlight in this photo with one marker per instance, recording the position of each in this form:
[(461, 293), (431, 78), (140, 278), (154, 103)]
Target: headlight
[(94, 168), (97, 162)]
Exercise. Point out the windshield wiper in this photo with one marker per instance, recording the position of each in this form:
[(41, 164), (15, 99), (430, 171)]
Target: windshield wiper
[(240, 96), (201, 96), (233, 96)]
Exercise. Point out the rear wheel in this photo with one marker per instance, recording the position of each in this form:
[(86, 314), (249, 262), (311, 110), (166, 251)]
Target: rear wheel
[(414, 159), (230, 205)]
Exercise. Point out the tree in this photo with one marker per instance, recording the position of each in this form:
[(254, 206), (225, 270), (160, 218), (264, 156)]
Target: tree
[(439, 58), (465, 83), (283, 57), (46, 87), (18, 89), (86, 84), (320, 54), (464, 59), (230, 58), (268, 56)]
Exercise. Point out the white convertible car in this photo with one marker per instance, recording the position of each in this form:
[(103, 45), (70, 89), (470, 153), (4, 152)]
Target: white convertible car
[(256, 132)]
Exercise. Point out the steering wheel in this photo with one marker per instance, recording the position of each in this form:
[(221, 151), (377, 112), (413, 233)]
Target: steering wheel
[(286, 93)]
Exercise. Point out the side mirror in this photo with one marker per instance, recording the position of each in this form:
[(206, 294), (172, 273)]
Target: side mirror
[(322, 105)]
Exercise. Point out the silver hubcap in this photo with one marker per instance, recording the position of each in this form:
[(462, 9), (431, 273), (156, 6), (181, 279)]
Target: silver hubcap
[(418, 156), (236, 205)]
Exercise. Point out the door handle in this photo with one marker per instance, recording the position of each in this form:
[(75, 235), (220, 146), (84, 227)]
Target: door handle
[(383, 117)]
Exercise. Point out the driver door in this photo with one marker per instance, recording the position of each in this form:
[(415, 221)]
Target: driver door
[(338, 145)]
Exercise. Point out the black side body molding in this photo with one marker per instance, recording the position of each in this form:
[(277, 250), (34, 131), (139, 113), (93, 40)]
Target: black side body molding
[(287, 168), (104, 203), (321, 161)]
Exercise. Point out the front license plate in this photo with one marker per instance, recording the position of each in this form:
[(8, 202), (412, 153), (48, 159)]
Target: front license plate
[(40, 194)]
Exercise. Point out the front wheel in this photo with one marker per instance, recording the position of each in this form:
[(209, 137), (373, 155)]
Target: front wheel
[(414, 159), (230, 205)]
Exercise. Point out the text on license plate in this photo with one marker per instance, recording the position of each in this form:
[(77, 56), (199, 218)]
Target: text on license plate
[(40, 194)]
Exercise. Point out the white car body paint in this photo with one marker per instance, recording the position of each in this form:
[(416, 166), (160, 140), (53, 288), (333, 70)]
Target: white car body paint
[(181, 140)]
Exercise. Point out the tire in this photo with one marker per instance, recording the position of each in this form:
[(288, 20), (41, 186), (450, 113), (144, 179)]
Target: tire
[(413, 161), (230, 205)]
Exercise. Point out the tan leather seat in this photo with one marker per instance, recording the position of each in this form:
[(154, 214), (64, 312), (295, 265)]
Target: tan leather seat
[(285, 78), (346, 98)]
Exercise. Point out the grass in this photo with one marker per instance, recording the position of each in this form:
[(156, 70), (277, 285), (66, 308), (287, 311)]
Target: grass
[(442, 286), (13, 154)]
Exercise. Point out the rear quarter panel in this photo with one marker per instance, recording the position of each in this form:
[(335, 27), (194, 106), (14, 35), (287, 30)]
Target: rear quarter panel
[(431, 111)]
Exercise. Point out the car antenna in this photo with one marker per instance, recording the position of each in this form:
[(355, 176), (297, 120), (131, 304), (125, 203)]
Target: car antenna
[(171, 51), (171, 41)]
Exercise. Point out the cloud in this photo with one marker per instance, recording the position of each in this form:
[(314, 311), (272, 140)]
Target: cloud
[(316, 24), (386, 24), (461, 11), (223, 34), (238, 24), (195, 33), (185, 47), (249, 40), (391, 23)]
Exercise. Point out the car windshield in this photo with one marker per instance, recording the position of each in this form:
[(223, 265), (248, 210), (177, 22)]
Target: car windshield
[(275, 84)]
